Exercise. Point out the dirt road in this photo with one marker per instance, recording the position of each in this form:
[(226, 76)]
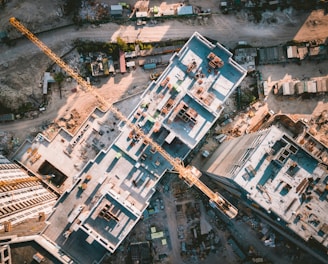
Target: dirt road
[(226, 29), (22, 65)]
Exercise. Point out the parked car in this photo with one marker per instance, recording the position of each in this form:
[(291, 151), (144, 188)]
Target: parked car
[(205, 153), (220, 138)]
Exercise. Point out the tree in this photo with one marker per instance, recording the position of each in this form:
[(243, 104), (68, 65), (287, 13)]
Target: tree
[(122, 44), (59, 77), (247, 98)]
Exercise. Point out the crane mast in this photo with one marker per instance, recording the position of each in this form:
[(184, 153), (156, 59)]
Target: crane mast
[(189, 174)]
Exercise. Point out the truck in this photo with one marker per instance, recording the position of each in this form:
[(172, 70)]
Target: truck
[(220, 138), (154, 76), (75, 213)]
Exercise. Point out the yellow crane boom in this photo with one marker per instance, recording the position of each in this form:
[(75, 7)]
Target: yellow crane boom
[(189, 174), (18, 181)]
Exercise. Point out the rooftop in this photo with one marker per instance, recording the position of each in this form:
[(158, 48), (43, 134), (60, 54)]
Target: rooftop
[(188, 97), (280, 176)]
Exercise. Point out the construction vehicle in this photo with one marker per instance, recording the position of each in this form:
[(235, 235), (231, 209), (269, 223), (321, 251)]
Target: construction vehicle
[(190, 174), (154, 76)]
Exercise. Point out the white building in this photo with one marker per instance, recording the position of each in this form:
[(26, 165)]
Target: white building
[(21, 196), (273, 171)]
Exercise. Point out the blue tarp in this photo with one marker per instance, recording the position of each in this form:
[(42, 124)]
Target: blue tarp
[(185, 10), (7, 117), (150, 66)]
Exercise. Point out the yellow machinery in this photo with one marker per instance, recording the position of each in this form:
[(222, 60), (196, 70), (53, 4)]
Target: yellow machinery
[(189, 174), (17, 181)]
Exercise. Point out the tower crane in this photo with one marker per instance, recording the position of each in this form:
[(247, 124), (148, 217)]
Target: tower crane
[(17, 181), (190, 174)]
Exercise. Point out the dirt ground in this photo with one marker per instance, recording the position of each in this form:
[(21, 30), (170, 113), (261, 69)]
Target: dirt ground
[(18, 85), (22, 253), (38, 15), (314, 28)]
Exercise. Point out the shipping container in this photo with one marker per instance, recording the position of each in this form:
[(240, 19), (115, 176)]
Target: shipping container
[(150, 66)]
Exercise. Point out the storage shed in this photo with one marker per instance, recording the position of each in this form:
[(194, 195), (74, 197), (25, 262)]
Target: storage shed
[(116, 10), (288, 88)]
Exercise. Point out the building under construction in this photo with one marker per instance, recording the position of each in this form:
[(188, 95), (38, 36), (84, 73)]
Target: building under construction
[(107, 187), (5, 254), (22, 196), (272, 171)]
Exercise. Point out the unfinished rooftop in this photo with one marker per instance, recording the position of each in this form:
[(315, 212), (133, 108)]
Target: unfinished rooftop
[(189, 95), (72, 151), (283, 178), (109, 222)]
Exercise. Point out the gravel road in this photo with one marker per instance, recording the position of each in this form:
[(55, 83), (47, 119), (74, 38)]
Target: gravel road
[(226, 29)]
